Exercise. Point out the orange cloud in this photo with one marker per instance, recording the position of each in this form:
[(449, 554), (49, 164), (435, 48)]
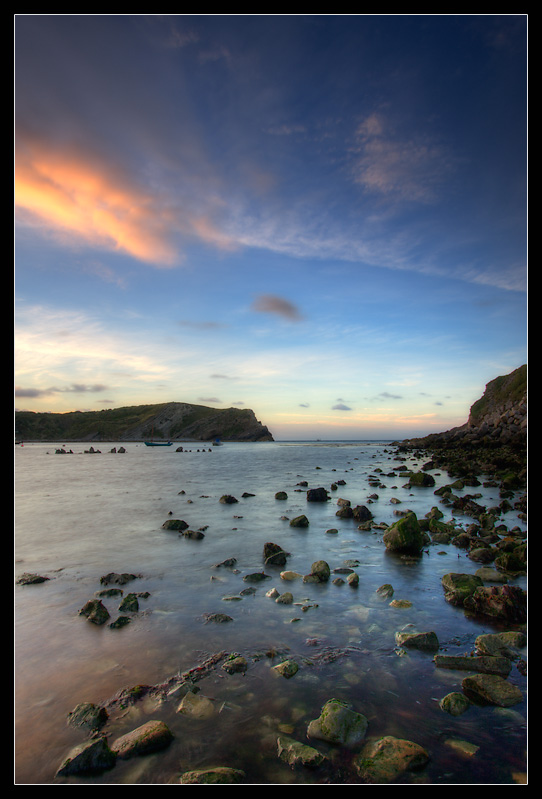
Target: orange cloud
[(72, 194)]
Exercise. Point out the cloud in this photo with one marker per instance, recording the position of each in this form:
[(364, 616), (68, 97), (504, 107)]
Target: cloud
[(397, 166), (340, 406), (75, 194), (269, 303), (387, 395), (209, 399), (75, 388)]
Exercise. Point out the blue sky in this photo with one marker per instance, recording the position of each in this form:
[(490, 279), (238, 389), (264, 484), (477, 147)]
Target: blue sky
[(319, 217)]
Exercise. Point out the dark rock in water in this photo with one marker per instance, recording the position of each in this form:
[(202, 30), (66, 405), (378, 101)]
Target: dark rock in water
[(255, 577), (31, 579), (421, 479), (491, 689), (362, 513), (227, 499), (118, 579), (129, 604), (92, 757), (274, 555), (299, 521), (88, 715), (120, 622), (386, 759), (175, 524), (405, 535), (217, 618), (196, 535), (457, 587), (95, 611), (220, 775), (317, 495)]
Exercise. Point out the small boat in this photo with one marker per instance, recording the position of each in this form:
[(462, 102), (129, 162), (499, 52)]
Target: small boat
[(217, 442), (153, 443)]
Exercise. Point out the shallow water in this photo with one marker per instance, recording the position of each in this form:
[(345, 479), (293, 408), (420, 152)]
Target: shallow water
[(81, 516)]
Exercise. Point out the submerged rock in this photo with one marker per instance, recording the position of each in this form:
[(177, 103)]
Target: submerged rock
[(95, 611), (388, 758), (338, 724), (219, 775), (296, 753), (492, 689)]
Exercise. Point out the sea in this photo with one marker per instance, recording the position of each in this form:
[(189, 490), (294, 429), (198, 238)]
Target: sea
[(82, 515)]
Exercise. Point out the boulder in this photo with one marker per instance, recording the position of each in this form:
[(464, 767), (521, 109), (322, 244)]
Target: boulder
[(298, 754), (490, 689), (458, 586), (219, 775), (506, 602), (317, 495), (338, 723), (150, 737), (425, 641), (386, 759), (92, 757), (405, 535), (274, 555)]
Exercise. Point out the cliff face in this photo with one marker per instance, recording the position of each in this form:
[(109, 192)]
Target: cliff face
[(173, 421), (498, 418)]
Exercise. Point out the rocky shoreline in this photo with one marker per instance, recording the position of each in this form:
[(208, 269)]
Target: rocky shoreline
[(490, 592)]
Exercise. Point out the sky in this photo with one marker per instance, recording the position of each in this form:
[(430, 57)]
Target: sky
[(319, 217)]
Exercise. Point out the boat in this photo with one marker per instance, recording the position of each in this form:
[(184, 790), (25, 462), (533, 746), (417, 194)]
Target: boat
[(217, 442), (153, 443)]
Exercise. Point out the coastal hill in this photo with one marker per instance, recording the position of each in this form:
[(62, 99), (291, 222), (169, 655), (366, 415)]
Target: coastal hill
[(173, 421), (494, 437), (498, 418)]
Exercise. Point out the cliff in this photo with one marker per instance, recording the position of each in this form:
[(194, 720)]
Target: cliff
[(173, 421), (494, 437), (498, 418)]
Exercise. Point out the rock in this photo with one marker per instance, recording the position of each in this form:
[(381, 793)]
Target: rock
[(150, 737), (290, 575), (507, 602), (457, 587), (118, 579), (385, 591), (421, 479), (362, 514), (386, 759), (235, 664), (425, 641), (286, 669), (217, 618), (488, 664), (227, 499), (319, 572), (229, 562), (299, 521), (285, 599), (255, 577), (87, 715), (274, 555), (353, 579), (281, 495), (31, 579), (95, 611), (338, 724), (91, 757), (196, 706), (491, 689), (298, 754), (220, 775), (454, 703), (129, 604), (502, 644), (194, 535), (175, 524), (317, 495), (405, 535)]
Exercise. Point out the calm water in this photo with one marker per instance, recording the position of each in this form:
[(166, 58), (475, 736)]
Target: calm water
[(81, 516)]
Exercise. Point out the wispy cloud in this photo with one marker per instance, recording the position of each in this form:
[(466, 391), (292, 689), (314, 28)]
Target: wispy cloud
[(397, 166)]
